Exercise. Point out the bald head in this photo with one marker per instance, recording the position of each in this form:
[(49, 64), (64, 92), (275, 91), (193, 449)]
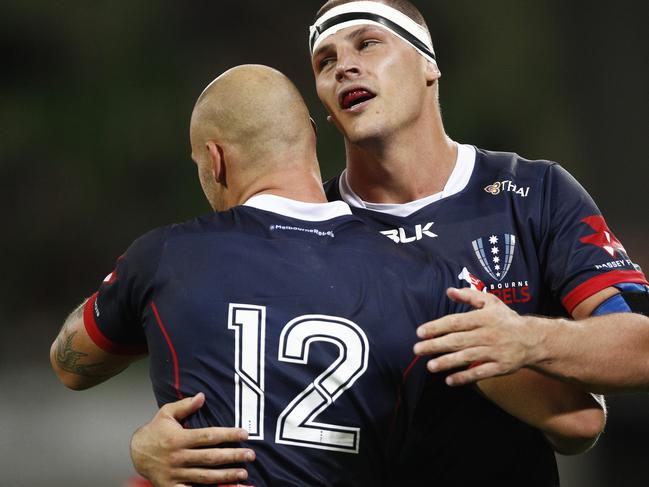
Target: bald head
[(252, 111), (251, 133)]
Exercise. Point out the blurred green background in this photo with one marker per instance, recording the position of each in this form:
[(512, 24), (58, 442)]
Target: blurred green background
[(95, 99)]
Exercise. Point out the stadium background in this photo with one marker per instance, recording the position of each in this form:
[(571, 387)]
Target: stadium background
[(94, 105)]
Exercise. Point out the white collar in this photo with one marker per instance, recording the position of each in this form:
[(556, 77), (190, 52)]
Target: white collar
[(458, 180), (311, 212)]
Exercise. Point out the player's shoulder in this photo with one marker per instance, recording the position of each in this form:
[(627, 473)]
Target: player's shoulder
[(245, 221), (154, 240), (507, 170), (512, 163)]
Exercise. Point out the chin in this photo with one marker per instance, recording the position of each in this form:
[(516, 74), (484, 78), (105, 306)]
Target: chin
[(360, 133)]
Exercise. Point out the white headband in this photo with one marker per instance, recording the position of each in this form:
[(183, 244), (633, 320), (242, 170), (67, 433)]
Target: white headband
[(373, 13)]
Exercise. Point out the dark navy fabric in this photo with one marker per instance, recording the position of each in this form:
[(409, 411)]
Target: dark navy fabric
[(339, 303), (562, 247), (535, 238)]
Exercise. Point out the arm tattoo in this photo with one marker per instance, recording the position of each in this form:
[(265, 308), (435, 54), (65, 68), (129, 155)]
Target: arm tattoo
[(68, 358)]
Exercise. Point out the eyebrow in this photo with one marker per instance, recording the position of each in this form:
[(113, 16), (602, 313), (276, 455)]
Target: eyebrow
[(349, 37)]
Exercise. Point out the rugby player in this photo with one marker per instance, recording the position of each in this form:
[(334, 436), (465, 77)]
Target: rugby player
[(293, 318), (535, 238)]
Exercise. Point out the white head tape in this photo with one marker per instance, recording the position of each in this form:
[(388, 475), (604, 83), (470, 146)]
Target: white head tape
[(372, 13)]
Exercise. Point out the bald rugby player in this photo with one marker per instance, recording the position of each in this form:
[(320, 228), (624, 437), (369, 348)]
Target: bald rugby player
[(292, 318)]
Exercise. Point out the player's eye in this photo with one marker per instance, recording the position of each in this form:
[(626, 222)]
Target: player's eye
[(368, 43), (325, 62)]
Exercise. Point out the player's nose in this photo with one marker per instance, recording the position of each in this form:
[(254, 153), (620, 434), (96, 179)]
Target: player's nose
[(347, 66)]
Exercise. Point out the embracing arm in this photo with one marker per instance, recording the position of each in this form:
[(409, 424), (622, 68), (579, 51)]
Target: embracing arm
[(171, 456), (162, 450), (78, 361), (570, 419), (608, 353)]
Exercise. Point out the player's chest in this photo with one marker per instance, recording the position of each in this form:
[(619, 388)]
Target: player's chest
[(495, 251)]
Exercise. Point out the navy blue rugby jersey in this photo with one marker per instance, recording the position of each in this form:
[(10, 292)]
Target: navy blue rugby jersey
[(527, 232), (297, 323)]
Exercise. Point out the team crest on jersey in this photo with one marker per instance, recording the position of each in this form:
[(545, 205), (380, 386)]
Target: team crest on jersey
[(495, 254)]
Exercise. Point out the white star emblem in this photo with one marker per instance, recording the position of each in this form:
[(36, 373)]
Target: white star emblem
[(494, 250), (497, 274), (496, 259), (497, 267), (493, 240)]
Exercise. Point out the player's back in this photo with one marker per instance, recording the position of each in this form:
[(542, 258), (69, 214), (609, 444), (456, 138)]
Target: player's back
[(299, 331)]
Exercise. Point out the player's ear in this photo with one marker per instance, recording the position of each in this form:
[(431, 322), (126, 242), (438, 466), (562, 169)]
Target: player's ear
[(217, 162), (432, 72)]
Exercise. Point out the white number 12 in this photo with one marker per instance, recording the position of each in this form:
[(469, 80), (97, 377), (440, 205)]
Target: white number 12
[(296, 425)]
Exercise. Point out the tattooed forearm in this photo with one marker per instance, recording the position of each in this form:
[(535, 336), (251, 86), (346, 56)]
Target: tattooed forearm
[(78, 361), (68, 358)]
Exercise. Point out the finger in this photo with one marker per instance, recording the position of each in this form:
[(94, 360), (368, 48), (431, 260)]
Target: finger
[(480, 372), (452, 342), (450, 324), (474, 298), (213, 436), (213, 457), (184, 407), (210, 476), (457, 360)]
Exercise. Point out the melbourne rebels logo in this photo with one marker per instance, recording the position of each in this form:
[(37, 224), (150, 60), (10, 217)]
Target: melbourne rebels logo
[(495, 254)]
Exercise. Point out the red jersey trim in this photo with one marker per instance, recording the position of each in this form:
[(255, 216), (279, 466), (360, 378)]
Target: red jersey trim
[(174, 357), (100, 339), (397, 405), (597, 283)]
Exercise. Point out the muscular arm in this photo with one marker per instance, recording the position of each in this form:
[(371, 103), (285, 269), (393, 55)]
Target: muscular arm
[(78, 361), (607, 353), (162, 450), (570, 419), (602, 354)]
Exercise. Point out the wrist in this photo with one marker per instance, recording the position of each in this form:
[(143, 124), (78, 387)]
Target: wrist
[(541, 333), (136, 455)]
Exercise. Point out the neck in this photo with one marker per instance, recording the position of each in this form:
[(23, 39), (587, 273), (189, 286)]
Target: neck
[(408, 165), (297, 183)]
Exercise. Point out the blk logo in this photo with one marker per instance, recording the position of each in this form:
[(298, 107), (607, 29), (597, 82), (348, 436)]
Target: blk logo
[(399, 235)]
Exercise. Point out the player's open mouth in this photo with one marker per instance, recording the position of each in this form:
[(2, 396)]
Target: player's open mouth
[(354, 97)]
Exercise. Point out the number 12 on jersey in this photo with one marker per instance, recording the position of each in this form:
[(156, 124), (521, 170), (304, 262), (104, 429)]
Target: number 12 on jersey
[(296, 424)]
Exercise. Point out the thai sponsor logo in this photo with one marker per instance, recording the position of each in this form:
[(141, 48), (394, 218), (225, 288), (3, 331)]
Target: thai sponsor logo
[(507, 186)]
